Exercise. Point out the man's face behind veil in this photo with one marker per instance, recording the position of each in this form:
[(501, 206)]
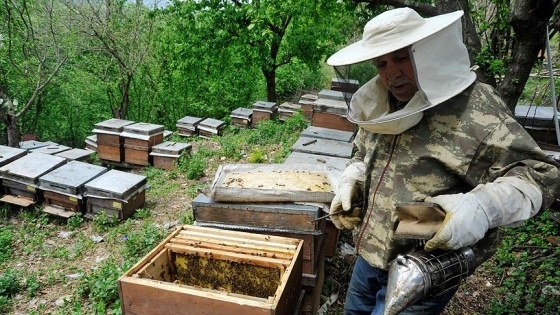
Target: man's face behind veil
[(397, 73)]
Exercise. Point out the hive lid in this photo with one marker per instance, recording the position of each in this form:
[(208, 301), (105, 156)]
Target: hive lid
[(170, 147), (242, 112), (331, 95), (264, 105), (112, 125), (9, 154), (145, 129), (189, 120), (30, 167), (327, 133), (51, 148), (274, 183), (71, 177), (211, 123), (115, 184), (75, 154), (32, 144)]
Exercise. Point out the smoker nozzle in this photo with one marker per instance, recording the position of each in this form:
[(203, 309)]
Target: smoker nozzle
[(420, 275)]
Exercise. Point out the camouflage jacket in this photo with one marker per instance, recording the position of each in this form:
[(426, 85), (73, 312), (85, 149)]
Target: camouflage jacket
[(468, 140)]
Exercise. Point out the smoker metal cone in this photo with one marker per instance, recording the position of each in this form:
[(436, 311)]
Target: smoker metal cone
[(405, 285)]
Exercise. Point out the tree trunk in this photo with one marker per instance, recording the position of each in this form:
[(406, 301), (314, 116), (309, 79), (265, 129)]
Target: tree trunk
[(270, 76), (530, 31), (12, 129)]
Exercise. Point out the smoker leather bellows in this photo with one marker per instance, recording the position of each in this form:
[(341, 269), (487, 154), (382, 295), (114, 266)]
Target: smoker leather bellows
[(421, 275)]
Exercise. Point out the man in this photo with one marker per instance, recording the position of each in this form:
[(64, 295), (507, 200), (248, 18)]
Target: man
[(429, 132)]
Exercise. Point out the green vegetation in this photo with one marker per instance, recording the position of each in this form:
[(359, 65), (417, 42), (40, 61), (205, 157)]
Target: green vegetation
[(527, 264)]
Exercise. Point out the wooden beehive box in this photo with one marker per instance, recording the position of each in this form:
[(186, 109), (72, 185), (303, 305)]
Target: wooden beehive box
[(281, 219), (76, 154), (63, 188), (210, 127), (110, 143), (116, 193), (241, 117), (20, 178), (200, 270), (306, 102), (187, 126), (139, 138), (166, 154), (264, 111), (91, 143), (287, 110)]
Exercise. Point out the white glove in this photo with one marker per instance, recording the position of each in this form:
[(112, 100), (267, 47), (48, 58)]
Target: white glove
[(506, 201), (343, 215)]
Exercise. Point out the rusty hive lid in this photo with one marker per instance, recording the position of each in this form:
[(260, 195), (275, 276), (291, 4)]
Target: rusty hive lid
[(30, 167), (71, 177), (170, 147), (9, 154), (115, 184)]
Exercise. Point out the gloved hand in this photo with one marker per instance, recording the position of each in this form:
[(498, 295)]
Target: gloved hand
[(343, 214), (468, 216)]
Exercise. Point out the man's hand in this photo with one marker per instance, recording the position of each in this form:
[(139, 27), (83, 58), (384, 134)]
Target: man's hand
[(507, 201), (343, 214), (465, 222)]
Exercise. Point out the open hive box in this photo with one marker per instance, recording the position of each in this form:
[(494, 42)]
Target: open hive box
[(200, 270)]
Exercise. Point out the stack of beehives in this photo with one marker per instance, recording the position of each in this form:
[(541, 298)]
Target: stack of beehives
[(68, 186), (275, 199)]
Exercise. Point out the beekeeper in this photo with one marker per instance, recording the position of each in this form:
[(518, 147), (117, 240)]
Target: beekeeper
[(428, 131)]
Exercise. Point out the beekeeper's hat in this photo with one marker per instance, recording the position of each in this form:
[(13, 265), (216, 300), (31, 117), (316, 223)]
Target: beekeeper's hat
[(391, 31)]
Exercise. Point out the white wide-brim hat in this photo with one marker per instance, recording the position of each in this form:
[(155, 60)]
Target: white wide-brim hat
[(391, 31)]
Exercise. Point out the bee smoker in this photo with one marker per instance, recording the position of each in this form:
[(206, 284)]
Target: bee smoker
[(420, 275)]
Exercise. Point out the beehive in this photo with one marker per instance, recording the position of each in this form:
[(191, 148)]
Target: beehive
[(280, 219), (166, 154), (264, 111), (109, 142), (139, 138), (63, 187), (187, 126), (116, 193), (199, 270), (241, 117)]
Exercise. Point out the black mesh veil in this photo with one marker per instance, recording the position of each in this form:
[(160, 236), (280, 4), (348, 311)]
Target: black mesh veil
[(343, 81)]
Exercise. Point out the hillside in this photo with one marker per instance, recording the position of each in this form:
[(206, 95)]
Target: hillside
[(51, 265)]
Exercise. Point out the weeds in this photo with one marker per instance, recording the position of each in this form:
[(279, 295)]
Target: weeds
[(528, 261)]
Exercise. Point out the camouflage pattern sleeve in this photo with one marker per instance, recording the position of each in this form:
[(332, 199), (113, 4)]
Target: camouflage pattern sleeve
[(508, 150)]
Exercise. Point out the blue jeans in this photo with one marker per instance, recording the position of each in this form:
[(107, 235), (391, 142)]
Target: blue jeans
[(366, 293)]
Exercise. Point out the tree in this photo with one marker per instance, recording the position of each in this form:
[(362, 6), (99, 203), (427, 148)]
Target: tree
[(269, 34), (512, 34), (32, 51), (117, 37)]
